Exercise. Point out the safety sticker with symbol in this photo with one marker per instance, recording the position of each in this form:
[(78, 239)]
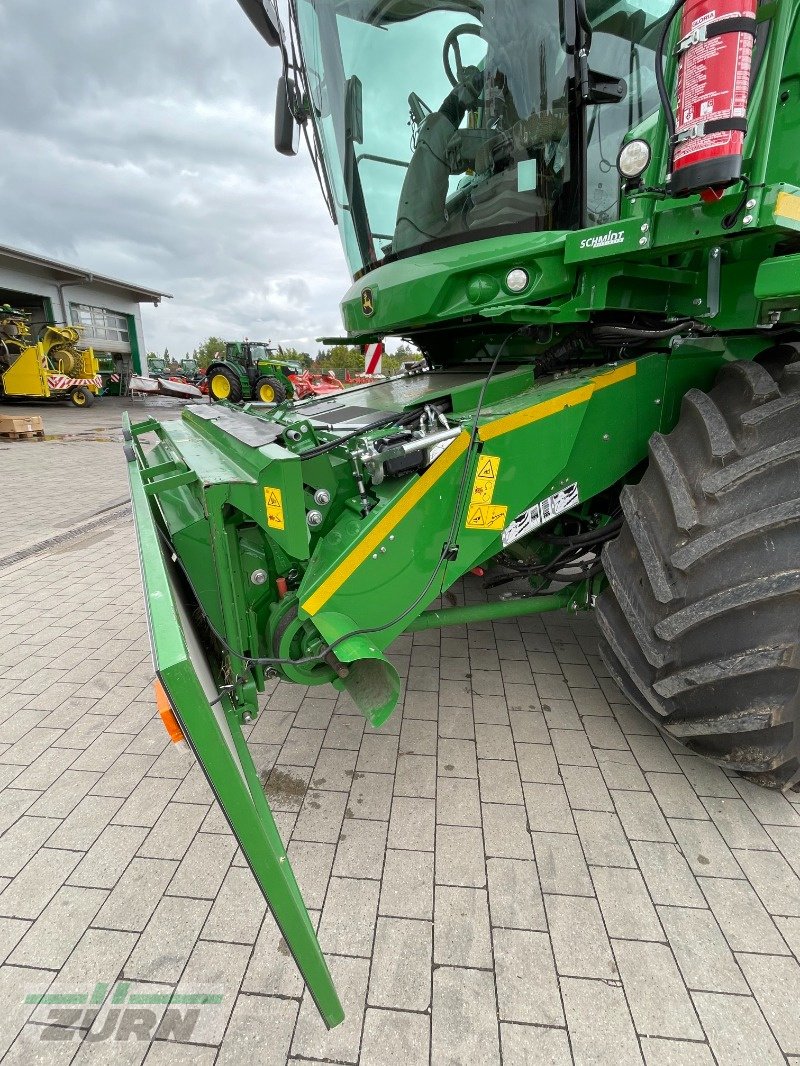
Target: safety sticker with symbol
[(485, 479), (274, 502), (485, 516)]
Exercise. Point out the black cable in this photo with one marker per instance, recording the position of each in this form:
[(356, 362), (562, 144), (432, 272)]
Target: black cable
[(664, 96)]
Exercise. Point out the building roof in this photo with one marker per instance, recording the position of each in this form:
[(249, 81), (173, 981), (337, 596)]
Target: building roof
[(66, 272)]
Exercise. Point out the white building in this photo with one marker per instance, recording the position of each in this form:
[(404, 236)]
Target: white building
[(57, 293)]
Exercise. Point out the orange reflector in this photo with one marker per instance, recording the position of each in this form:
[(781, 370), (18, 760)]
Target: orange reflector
[(167, 714)]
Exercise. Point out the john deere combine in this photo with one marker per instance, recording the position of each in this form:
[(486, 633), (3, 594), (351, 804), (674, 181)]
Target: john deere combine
[(606, 288)]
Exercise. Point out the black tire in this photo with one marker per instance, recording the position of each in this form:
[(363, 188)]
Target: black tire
[(267, 383), (701, 622), (81, 397), (234, 385)]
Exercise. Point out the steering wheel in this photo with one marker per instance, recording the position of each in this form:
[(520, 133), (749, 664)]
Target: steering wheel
[(466, 29)]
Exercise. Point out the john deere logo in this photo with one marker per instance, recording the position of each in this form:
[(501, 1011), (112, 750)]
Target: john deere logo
[(367, 303)]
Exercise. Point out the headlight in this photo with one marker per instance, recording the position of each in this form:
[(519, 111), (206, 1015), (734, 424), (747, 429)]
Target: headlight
[(633, 159), (517, 280)]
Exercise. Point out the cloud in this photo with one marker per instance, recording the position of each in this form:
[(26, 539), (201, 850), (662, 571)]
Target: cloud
[(138, 143)]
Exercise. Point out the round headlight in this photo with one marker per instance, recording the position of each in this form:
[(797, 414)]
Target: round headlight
[(517, 280), (633, 159)]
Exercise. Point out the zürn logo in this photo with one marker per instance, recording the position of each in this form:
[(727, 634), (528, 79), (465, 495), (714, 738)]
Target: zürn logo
[(367, 303), (125, 1014)]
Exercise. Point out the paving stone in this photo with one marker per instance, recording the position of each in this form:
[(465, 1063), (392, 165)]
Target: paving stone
[(603, 839), (412, 824), (238, 909), (168, 940), (640, 816), (537, 763), (216, 970), (456, 723), (676, 797), (771, 876), (742, 918), (54, 934), (775, 982), (136, 894), (417, 737), (462, 934), (586, 788), (90, 970), (395, 1038), (334, 769), (652, 754), (738, 825), (302, 746), (769, 807), (31, 890), (361, 848), (705, 850), (203, 867), (705, 778), (499, 782), (347, 926), (515, 897), (655, 991), (174, 831), (312, 864), (662, 1052), (625, 902), (736, 1030), (378, 754), (561, 864), (22, 840), (407, 887), (106, 860), (548, 809), (580, 943), (252, 1017), (787, 838), (505, 831), (620, 770), (531, 1045), (701, 951), (84, 825), (612, 1042), (528, 727), (16, 984), (464, 1017), (458, 802), (415, 776), (320, 817), (341, 1044), (400, 975), (460, 856), (123, 776), (457, 758), (12, 930), (494, 742), (667, 875)]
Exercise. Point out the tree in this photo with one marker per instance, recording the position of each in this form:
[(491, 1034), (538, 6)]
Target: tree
[(211, 348)]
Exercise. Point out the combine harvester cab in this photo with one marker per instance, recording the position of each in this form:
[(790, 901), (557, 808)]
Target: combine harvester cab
[(608, 409)]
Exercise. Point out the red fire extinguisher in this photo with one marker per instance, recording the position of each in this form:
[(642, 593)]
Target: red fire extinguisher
[(714, 57)]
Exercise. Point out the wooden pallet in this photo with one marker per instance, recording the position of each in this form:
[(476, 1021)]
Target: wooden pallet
[(32, 434)]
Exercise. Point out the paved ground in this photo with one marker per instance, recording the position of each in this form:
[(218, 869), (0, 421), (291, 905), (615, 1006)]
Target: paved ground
[(517, 868)]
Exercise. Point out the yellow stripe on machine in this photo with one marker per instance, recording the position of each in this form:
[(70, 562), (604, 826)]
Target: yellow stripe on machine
[(398, 512), (384, 527), (558, 403), (787, 205)]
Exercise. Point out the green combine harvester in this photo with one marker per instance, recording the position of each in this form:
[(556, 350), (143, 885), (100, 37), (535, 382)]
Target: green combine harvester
[(593, 235)]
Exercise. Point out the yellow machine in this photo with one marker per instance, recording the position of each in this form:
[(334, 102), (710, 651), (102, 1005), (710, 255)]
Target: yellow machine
[(53, 367)]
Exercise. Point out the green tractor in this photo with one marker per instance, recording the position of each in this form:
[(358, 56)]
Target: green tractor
[(605, 285), (251, 371)]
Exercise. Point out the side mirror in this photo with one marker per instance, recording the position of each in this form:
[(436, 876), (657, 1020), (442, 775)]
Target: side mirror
[(287, 131), (264, 18)]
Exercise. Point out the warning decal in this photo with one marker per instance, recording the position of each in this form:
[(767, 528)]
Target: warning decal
[(485, 516), (485, 480), (274, 503), (540, 513)]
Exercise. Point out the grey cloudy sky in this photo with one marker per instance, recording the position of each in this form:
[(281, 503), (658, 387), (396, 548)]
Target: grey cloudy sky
[(137, 142)]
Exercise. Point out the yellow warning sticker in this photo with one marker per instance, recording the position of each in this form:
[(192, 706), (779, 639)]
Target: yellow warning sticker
[(486, 516), (274, 502), (485, 479)]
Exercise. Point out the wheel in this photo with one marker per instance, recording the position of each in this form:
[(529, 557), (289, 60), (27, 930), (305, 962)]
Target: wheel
[(224, 384), (701, 621), (269, 390), (81, 397)]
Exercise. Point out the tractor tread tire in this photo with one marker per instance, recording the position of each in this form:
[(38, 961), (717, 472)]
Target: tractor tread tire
[(235, 395), (276, 384), (700, 623)]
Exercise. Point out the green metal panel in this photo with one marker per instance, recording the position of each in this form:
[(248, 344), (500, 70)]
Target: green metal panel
[(133, 337)]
